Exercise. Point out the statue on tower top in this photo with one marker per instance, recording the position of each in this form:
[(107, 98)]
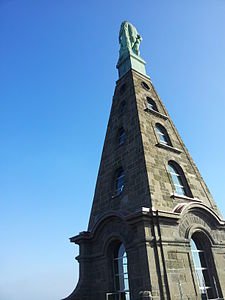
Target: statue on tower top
[(129, 54), (129, 39)]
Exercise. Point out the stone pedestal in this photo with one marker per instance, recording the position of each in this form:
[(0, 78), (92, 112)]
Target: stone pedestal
[(131, 61)]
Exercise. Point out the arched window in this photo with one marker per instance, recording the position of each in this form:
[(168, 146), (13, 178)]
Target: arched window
[(121, 136), (151, 104), (204, 266), (179, 179), (121, 273), (119, 180), (162, 135)]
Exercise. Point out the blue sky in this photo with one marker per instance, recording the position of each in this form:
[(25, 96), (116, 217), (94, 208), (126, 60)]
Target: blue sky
[(57, 77)]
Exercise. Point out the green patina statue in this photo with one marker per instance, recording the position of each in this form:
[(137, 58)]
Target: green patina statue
[(129, 39), (129, 55)]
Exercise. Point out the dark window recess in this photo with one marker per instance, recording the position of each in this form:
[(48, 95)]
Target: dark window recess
[(151, 104), (119, 182), (123, 88), (145, 86), (121, 136), (162, 135), (122, 107)]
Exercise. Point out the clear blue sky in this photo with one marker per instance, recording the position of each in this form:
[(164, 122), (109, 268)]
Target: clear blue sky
[(57, 77)]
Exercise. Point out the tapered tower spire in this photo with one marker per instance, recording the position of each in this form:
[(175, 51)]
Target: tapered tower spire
[(154, 230)]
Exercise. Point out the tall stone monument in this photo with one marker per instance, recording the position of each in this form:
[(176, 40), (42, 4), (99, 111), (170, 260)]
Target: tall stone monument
[(154, 230)]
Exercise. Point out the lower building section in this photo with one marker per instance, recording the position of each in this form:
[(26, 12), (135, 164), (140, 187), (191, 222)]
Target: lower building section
[(153, 255)]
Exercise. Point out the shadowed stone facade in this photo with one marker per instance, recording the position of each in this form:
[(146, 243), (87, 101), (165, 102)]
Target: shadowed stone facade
[(145, 209)]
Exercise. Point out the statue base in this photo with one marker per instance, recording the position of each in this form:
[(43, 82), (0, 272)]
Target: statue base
[(131, 61)]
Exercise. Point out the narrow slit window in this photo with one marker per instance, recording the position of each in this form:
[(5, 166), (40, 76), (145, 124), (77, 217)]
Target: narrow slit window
[(119, 181), (121, 136)]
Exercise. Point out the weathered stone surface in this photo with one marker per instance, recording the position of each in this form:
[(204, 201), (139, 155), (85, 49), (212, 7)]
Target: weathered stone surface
[(156, 238)]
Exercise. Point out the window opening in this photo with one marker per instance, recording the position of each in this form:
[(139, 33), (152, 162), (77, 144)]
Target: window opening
[(151, 104), (178, 180), (163, 135), (145, 86), (206, 282), (119, 183), (122, 107), (123, 89), (121, 136), (121, 274)]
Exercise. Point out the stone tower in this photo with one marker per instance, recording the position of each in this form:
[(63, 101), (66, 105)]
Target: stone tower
[(154, 230)]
